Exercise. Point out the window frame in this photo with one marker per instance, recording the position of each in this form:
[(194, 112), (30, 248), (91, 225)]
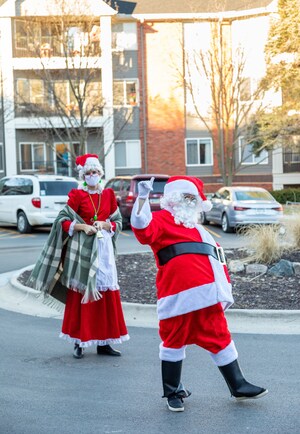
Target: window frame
[(127, 144), (125, 99), (265, 161), (32, 160), (2, 157), (199, 139)]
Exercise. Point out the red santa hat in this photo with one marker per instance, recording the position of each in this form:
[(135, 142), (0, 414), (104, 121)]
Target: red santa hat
[(88, 162), (188, 185)]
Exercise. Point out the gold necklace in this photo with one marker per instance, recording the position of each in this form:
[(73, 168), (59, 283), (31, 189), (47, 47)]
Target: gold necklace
[(93, 219)]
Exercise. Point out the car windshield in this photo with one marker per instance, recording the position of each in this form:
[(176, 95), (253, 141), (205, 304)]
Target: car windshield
[(56, 188), (159, 185), (253, 195)]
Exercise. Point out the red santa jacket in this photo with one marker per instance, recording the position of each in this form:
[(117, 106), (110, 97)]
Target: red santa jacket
[(187, 282), (81, 202)]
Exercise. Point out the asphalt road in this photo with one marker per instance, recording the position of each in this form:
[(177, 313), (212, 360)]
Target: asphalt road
[(44, 390), (20, 250)]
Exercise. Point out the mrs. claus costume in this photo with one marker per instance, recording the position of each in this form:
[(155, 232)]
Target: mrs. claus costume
[(193, 287), (93, 313)]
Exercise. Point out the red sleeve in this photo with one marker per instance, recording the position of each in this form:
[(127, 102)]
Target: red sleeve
[(73, 202), (113, 201)]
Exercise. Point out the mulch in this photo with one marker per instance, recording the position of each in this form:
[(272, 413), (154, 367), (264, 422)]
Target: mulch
[(137, 274), (137, 281)]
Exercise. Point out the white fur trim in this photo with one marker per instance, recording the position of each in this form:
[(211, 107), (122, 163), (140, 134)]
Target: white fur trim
[(193, 299), (92, 162), (225, 356), (94, 342), (141, 220), (206, 205), (181, 186), (171, 354), (71, 228)]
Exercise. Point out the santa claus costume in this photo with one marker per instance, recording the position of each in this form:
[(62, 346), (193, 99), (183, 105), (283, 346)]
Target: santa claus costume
[(193, 286), (99, 322)]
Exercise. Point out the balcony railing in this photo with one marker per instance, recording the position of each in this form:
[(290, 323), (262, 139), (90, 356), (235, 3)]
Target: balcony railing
[(49, 46), (291, 162), (47, 167)]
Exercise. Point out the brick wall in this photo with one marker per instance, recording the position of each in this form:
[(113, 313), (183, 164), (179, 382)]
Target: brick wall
[(164, 123)]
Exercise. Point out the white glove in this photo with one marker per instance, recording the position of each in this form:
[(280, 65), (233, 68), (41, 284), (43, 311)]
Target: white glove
[(144, 188)]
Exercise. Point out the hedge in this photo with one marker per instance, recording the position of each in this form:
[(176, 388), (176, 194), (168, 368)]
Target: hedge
[(288, 194)]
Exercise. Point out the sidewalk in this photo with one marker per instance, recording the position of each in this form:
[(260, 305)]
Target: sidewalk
[(18, 298)]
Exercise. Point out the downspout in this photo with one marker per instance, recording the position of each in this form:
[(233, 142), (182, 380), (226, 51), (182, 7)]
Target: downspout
[(143, 96)]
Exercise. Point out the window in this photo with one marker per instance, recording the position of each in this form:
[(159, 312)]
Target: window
[(292, 155), (124, 36), (125, 93), (1, 158), (33, 156), (249, 89), (199, 152), (16, 186), (93, 100), (62, 157), (248, 157), (127, 154), (30, 91), (56, 188)]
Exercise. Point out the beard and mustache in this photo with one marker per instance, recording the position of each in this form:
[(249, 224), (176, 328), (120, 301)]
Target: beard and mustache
[(185, 210)]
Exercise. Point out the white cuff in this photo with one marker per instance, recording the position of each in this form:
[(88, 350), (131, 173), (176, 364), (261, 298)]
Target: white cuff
[(225, 356), (141, 220), (171, 354), (112, 232), (71, 228)]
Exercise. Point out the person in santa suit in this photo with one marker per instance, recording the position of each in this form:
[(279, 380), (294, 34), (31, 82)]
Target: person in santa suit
[(100, 322), (193, 286), (79, 255)]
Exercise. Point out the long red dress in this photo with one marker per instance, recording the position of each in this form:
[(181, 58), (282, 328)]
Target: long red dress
[(100, 322)]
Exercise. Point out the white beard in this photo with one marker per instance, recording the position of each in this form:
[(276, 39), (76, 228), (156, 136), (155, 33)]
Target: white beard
[(183, 211)]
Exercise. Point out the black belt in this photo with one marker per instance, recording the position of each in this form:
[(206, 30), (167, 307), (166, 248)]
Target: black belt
[(199, 248)]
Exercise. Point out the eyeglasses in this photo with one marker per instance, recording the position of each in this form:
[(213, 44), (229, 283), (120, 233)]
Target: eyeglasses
[(92, 172)]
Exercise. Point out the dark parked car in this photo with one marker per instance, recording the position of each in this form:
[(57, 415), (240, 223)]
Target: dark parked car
[(125, 188), (236, 206)]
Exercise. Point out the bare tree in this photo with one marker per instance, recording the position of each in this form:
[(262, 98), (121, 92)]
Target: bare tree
[(227, 110), (69, 104)]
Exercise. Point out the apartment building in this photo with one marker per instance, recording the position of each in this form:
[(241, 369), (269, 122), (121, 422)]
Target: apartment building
[(144, 116), (69, 85)]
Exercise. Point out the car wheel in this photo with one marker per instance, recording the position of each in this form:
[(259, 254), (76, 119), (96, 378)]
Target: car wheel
[(22, 223), (225, 224), (203, 219)]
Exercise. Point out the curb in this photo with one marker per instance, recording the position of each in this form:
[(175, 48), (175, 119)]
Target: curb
[(19, 298)]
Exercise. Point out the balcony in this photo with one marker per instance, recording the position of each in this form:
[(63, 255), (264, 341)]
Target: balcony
[(47, 40)]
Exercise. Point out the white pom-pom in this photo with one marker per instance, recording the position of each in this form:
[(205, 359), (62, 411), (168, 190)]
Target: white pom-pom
[(206, 205)]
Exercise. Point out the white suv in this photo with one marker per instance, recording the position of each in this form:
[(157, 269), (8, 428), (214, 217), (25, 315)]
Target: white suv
[(33, 200)]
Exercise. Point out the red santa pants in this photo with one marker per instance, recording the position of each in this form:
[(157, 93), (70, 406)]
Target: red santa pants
[(205, 327)]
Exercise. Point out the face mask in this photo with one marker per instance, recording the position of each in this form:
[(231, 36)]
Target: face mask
[(92, 180)]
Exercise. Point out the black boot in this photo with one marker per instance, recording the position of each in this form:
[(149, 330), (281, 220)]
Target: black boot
[(78, 352), (174, 391), (238, 386), (107, 350)]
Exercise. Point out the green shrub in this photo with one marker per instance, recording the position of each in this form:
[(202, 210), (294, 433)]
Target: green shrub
[(287, 194)]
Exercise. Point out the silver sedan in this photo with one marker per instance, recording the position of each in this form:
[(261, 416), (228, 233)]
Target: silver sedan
[(237, 206)]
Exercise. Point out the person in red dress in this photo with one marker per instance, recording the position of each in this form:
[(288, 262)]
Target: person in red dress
[(99, 322), (193, 286)]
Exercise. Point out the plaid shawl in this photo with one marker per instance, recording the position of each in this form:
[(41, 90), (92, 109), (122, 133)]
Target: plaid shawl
[(71, 260)]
